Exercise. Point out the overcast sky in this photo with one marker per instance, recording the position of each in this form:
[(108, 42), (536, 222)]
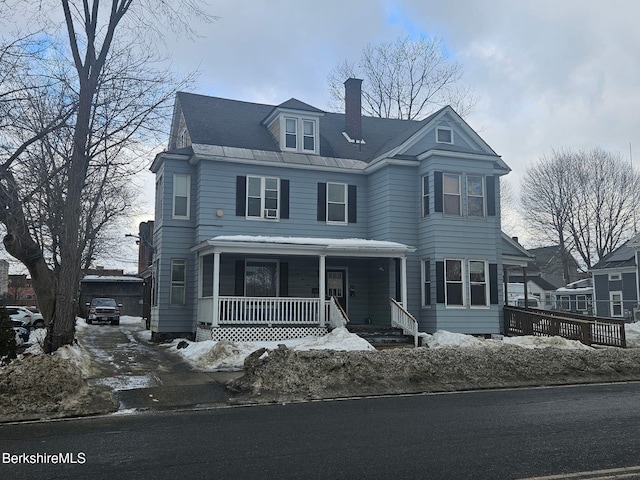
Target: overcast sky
[(548, 74)]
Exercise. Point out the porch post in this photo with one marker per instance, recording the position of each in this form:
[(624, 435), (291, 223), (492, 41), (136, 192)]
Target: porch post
[(403, 281), (216, 290), (321, 289)]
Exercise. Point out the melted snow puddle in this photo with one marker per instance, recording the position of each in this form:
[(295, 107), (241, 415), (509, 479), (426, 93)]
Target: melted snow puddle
[(125, 382)]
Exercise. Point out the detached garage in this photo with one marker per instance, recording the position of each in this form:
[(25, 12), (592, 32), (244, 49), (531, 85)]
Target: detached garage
[(124, 289)]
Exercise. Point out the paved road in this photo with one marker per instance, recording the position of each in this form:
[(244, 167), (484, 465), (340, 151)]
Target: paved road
[(145, 375), (485, 435)]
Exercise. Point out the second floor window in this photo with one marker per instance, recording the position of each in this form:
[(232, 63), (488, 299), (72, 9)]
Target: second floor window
[(475, 196), (181, 194), (425, 196), (336, 202), (451, 194), (263, 197)]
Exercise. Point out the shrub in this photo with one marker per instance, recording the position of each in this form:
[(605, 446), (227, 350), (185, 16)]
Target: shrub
[(8, 346)]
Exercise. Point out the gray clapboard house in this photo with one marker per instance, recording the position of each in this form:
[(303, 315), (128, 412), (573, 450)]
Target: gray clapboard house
[(616, 282), (265, 215)]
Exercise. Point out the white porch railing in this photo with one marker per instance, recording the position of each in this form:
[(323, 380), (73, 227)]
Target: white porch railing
[(400, 318), (269, 311)]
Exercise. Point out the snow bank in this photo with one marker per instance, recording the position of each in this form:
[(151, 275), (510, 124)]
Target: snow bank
[(632, 332), (224, 355)]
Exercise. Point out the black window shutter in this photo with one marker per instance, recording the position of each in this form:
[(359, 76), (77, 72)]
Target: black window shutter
[(241, 196), (493, 284), (353, 205), (239, 281), (284, 279), (284, 198), (440, 282), (491, 196), (437, 192), (322, 202)]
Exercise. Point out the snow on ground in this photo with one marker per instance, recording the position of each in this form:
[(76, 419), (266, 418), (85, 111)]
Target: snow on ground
[(224, 355)]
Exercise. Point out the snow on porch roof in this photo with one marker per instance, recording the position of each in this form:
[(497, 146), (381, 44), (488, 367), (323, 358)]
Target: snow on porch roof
[(334, 246)]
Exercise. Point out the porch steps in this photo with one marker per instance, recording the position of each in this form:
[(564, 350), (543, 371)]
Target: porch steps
[(382, 337)]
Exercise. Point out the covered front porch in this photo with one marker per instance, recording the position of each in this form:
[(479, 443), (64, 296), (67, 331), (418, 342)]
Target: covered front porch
[(297, 286)]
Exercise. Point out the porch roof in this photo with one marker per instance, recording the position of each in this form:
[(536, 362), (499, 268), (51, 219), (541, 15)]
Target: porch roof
[(345, 247)]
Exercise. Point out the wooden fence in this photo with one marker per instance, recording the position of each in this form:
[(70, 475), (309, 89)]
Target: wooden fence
[(546, 323)]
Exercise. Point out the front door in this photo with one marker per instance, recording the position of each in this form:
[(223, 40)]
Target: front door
[(337, 286)]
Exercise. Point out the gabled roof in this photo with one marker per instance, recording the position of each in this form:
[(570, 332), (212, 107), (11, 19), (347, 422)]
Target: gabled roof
[(539, 281), (232, 123), (623, 256)]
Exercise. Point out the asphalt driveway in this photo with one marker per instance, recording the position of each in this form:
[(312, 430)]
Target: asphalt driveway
[(145, 375)]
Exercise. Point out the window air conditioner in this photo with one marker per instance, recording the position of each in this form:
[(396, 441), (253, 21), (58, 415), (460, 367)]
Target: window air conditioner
[(270, 213)]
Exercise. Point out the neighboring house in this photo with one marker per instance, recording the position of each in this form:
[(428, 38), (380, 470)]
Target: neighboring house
[(20, 291), (263, 212), (126, 290), (548, 265), (616, 282), (576, 297), (539, 287)]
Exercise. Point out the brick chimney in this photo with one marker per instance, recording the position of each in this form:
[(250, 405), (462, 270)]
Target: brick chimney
[(353, 108)]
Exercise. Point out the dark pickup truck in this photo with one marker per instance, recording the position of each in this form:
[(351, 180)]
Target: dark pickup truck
[(103, 310)]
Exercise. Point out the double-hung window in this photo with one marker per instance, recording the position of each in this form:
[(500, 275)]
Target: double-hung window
[(337, 202), (615, 300), (263, 197), (478, 283), (426, 282), (425, 196), (454, 288), (451, 193), (181, 195), (291, 133), (475, 196), (300, 134), (177, 295)]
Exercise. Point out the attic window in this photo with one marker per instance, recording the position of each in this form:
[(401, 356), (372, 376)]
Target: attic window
[(183, 141), (444, 135), (300, 134)]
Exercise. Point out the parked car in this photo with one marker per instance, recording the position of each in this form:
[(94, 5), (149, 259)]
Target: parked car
[(21, 330), (30, 319), (103, 310)]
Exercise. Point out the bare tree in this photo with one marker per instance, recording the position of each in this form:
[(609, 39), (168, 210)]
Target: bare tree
[(109, 101), (406, 79), (584, 201)]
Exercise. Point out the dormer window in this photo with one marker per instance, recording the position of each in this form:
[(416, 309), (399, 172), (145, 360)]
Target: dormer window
[(300, 135), (291, 133), (444, 135)]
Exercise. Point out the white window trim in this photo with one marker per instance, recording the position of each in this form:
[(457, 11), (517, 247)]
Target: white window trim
[(177, 283), (346, 204), (450, 130), (486, 284), (579, 299), (483, 196), (614, 277), (463, 276), (423, 280), (299, 134), (459, 194), (263, 197), (425, 212), (563, 299), (173, 203), (611, 294), (263, 260)]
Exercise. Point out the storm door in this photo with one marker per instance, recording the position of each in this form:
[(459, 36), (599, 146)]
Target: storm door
[(337, 286)]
